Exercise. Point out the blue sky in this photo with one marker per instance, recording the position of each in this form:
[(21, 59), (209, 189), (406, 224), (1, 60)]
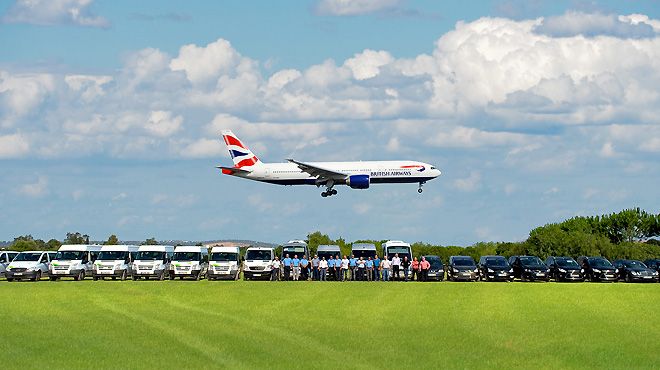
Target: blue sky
[(535, 111)]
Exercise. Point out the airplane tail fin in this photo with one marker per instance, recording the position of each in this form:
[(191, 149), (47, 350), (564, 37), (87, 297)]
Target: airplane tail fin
[(242, 156)]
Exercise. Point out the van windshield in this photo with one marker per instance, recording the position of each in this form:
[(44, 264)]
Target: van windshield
[(463, 262), (264, 255), (496, 262), (436, 263), (186, 256), (531, 261), (70, 255), (150, 255), (599, 263), (327, 255), (27, 257), (112, 255), (566, 262), (364, 253), (292, 251), (224, 256), (402, 251)]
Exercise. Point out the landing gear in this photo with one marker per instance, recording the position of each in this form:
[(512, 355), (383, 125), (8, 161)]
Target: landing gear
[(420, 190), (329, 192)]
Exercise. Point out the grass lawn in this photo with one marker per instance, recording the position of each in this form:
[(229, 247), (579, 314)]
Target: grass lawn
[(187, 324)]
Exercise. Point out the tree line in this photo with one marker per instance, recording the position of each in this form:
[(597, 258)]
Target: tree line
[(631, 233)]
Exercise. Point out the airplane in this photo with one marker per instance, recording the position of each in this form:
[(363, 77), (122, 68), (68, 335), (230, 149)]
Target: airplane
[(356, 175)]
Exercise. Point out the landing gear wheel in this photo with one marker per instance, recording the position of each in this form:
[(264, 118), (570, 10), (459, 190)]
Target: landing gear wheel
[(333, 192), (420, 190)]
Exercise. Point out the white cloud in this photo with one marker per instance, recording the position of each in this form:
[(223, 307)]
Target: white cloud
[(607, 150), (35, 190), (162, 124), (13, 146), (54, 12), (367, 64), (354, 7), (21, 94), (470, 183), (575, 23), (89, 86), (204, 64), (204, 148)]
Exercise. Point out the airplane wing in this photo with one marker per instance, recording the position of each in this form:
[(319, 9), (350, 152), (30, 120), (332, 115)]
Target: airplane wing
[(232, 170), (319, 172)]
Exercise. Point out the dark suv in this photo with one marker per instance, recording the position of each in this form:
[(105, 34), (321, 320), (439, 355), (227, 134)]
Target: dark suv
[(437, 271), (495, 268), (564, 269), (529, 268), (598, 269), (462, 268), (635, 271)]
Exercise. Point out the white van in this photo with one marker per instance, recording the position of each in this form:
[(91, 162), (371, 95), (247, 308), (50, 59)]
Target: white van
[(152, 261), (403, 249), (258, 262), (225, 263), (189, 261), (74, 260), (29, 264), (5, 258), (114, 261)]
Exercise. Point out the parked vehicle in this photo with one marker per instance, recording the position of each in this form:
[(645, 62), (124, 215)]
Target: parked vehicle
[(403, 249), (257, 264), (152, 261), (495, 268), (29, 265), (364, 250), (189, 262), (598, 269), (653, 264), (225, 263), (529, 268), (75, 261), (462, 268), (115, 261), (295, 247), (635, 271), (564, 269), (437, 270), (328, 251), (5, 258)]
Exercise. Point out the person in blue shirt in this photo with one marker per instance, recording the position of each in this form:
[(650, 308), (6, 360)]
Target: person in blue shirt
[(338, 267), (287, 267), (369, 264), (304, 268), (331, 268), (376, 268), (296, 267), (352, 264)]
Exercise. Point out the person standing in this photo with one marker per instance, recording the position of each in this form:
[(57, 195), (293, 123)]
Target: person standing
[(405, 264), (287, 267), (425, 266), (295, 263), (323, 267), (385, 266), (315, 267), (331, 268), (415, 269), (352, 264), (338, 268), (376, 268), (344, 268), (275, 269), (360, 268), (304, 268), (369, 264), (396, 265)]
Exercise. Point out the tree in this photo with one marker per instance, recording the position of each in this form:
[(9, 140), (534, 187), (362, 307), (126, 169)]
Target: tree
[(53, 245), (76, 238), (112, 240), (150, 241)]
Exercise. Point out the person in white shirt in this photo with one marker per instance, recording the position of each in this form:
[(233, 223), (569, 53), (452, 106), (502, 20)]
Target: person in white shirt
[(385, 266), (344, 268), (275, 272), (323, 266), (396, 264)]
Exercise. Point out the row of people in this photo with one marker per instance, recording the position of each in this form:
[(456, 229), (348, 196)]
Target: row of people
[(349, 269)]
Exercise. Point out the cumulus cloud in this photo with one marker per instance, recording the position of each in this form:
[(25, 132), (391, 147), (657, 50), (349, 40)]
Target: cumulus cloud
[(161, 123), (367, 64), (354, 7), (21, 93), (202, 64), (575, 23), (54, 12), (35, 190)]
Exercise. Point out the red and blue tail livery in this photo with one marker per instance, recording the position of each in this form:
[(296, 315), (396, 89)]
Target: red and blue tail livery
[(355, 175)]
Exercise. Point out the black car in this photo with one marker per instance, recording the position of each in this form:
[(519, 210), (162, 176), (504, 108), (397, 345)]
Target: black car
[(437, 271), (495, 268), (462, 268), (529, 268), (653, 264), (635, 271), (598, 269), (564, 269)]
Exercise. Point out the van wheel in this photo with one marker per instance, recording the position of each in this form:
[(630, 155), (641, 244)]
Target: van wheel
[(95, 278), (172, 276), (135, 278), (53, 278), (37, 276), (10, 279)]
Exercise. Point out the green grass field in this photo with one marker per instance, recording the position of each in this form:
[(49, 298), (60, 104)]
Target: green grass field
[(187, 324)]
